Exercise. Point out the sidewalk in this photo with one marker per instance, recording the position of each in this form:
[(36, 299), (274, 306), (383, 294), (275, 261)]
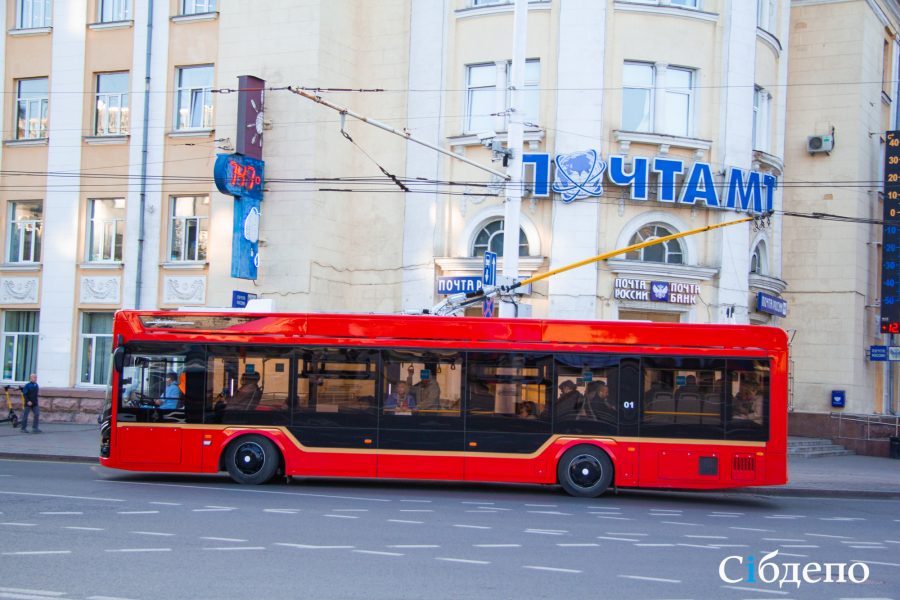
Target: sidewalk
[(835, 476)]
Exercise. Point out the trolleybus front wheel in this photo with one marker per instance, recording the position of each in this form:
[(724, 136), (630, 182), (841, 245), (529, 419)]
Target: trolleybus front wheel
[(251, 459)]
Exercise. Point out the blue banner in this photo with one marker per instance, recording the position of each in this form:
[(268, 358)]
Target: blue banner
[(773, 305), (458, 285), (245, 238)]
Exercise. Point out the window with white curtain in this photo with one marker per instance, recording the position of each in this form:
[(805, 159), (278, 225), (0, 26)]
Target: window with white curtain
[(761, 107), (25, 228), (106, 229), (95, 347), (197, 7), (32, 105), (112, 11), (657, 99), (32, 14), (111, 114), (20, 344), (188, 230), (193, 102), (482, 99)]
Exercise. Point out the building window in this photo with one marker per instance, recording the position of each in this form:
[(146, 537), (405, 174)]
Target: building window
[(197, 7), (765, 14), (193, 108), (530, 96), (644, 85), (111, 116), (96, 347), (759, 260), (25, 224), (188, 230), (20, 344), (481, 97), (491, 238), (32, 14), (32, 100), (112, 11), (761, 106), (106, 225), (669, 252)]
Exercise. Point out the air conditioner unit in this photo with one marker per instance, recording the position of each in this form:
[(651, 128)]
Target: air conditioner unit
[(819, 143)]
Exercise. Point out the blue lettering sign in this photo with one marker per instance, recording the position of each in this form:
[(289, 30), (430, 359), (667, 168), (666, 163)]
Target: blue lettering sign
[(458, 285), (700, 186), (579, 175), (740, 196), (770, 182), (541, 180), (667, 169), (878, 353), (637, 179), (773, 305)]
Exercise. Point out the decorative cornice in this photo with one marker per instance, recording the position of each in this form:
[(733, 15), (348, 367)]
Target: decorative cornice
[(184, 290), (766, 283), (475, 264), (499, 8), (30, 31), (29, 266), (770, 40), (532, 137), (112, 25), (98, 140), (19, 290), (100, 290), (764, 159), (672, 11), (665, 270), (29, 142), (208, 16), (188, 133), (664, 141)]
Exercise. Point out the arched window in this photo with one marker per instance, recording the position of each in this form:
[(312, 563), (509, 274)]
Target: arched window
[(669, 252), (491, 238), (759, 260)]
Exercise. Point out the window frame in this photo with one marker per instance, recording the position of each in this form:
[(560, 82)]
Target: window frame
[(122, 118), (27, 7), (118, 232), (17, 341), (759, 259), (100, 346), (186, 96), (189, 7), (662, 93), (638, 237), (27, 228), (471, 90), (476, 250), (762, 106), (200, 243), (113, 11), (27, 105)]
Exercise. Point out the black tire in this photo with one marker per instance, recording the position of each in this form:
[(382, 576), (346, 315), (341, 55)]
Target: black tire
[(252, 459), (584, 471)]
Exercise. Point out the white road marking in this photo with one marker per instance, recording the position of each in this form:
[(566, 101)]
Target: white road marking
[(349, 510), (464, 560), (554, 569), (471, 526), (786, 517), (892, 541), (36, 552), (29, 591), (20, 524), (422, 501), (64, 496), (84, 528), (416, 510), (702, 546), (138, 512), (796, 555), (706, 537), (152, 533), (403, 521), (62, 512), (413, 546), (212, 509), (342, 516), (547, 531), (166, 503), (869, 547), (872, 562), (724, 516), (617, 539), (542, 505), (629, 534), (313, 547), (798, 546), (587, 545), (140, 550), (478, 503), (221, 539), (497, 545), (380, 553), (549, 512), (642, 578), (862, 543), (681, 523), (782, 540), (237, 548), (282, 511), (487, 510), (753, 529), (837, 537), (721, 512), (841, 519), (617, 518), (749, 589), (656, 545), (107, 598)]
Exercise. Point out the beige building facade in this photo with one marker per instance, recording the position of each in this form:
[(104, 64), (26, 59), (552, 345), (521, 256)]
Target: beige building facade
[(115, 111)]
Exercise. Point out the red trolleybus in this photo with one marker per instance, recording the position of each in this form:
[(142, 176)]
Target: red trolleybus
[(584, 404)]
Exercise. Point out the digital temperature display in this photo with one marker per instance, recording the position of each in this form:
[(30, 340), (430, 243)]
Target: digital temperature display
[(890, 249), (238, 175)]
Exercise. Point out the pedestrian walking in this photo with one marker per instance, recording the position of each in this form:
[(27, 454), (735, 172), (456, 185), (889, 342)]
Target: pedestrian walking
[(30, 393)]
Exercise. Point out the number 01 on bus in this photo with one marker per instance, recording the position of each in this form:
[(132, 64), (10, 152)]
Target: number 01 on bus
[(583, 404)]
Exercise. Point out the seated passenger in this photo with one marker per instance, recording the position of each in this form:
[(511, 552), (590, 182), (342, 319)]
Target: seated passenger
[(527, 410), (428, 394), (400, 400), (597, 403), (570, 401), (748, 404), (171, 398), (247, 396)]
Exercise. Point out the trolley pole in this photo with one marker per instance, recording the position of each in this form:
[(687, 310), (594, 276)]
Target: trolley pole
[(515, 138)]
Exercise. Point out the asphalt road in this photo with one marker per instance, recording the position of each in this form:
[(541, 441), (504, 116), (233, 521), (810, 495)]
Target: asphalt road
[(76, 531)]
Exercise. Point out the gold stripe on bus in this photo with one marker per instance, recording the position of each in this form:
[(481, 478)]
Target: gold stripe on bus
[(611, 440)]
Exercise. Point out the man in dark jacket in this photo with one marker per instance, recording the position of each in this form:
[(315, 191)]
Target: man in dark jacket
[(30, 393)]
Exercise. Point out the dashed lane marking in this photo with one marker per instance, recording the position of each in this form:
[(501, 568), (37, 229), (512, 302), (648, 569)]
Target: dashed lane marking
[(541, 505), (282, 511), (643, 578), (795, 546), (342, 516), (841, 519), (420, 501), (753, 529), (616, 518), (139, 550), (416, 510), (159, 533), (61, 512), (413, 546), (755, 590), (869, 547), (471, 526), (138, 512), (379, 552), (36, 552), (682, 523), (553, 569), (11, 524), (405, 521), (314, 547), (782, 540), (648, 545), (223, 539), (587, 545), (64, 496), (547, 531), (549, 512), (496, 545), (166, 503), (627, 534), (334, 510), (463, 560), (617, 539), (30, 591), (706, 537), (822, 535), (237, 548), (84, 528), (237, 490)]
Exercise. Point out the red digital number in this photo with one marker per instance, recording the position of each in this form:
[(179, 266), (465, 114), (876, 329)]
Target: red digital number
[(244, 177), (891, 328)]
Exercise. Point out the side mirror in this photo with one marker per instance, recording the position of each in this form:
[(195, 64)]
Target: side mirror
[(119, 359)]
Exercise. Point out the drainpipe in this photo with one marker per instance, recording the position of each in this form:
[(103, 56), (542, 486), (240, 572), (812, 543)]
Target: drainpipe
[(139, 279)]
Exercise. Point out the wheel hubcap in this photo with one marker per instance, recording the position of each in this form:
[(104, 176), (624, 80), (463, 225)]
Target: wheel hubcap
[(250, 458), (585, 471)]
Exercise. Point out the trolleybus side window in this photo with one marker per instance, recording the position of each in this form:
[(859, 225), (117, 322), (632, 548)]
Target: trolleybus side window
[(508, 392), (587, 394), (747, 400), (336, 387), (248, 385), (683, 397), (162, 384), (424, 384)]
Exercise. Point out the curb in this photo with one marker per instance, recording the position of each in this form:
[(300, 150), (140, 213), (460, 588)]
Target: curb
[(50, 457), (819, 493)]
